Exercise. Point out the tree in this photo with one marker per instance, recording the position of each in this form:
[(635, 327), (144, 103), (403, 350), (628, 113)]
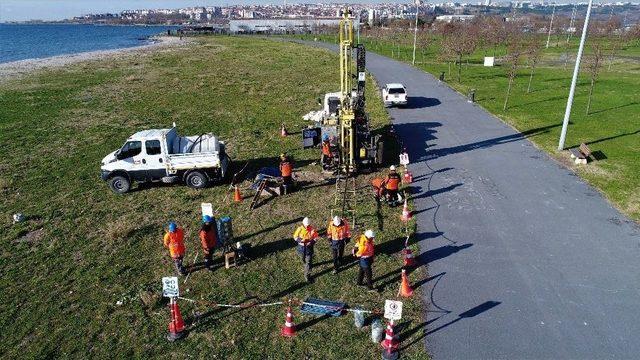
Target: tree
[(594, 63), (516, 51), (461, 42), (533, 56)]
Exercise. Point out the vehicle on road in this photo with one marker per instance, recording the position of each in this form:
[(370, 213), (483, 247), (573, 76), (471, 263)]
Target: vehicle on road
[(163, 155), (394, 95)]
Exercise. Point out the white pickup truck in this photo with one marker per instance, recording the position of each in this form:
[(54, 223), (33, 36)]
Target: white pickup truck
[(394, 94), (162, 155)]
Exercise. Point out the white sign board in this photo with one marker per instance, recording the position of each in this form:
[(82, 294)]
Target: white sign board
[(207, 209), (361, 76), (170, 287), (392, 310), (404, 159), (488, 61)]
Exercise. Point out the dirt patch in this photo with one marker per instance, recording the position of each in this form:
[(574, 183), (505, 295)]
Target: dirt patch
[(32, 237)]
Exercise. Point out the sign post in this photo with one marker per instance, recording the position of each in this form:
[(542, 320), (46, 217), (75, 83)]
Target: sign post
[(392, 310)]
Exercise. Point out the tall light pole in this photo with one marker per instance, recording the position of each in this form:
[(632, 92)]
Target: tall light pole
[(572, 91), (553, 13), (415, 33)]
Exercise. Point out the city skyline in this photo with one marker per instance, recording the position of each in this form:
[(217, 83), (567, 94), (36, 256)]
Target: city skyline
[(50, 10)]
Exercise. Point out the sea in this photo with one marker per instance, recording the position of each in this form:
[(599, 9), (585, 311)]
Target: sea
[(36, 41)]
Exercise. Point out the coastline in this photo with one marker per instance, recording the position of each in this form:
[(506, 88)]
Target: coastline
[(15, 69)]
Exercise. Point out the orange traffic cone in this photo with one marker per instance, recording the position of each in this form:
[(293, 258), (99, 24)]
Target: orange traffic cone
[(237, 197), (406, 214), (176, 325), (409, 260), (390, 344), (289, 328), (405, 288), (283, 131)]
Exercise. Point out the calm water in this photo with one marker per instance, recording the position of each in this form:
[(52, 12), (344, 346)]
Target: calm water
[(19, 42)]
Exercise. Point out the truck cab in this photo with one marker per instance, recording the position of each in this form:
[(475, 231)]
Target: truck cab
[(162, 155)]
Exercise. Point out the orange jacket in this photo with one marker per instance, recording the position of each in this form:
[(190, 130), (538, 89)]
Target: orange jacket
[(208, 239), (392, 182), (365, 247), (286, 168), (326, 148), (305, 235), (339, 232), (174, 241)]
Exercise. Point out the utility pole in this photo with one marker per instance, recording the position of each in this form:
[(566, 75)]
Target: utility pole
[(567, 112), (571, 23), (415, 33), (553, 13)]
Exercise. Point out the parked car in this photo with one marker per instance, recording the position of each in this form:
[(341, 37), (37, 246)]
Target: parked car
[(394, 95), (162, 155)]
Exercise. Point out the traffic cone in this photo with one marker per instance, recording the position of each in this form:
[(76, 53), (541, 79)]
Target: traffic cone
[(405, 288), (390, 344), (283, 131), (289, 328), (407, 178), (237, 197), (406, 214), (409, 260), (176, 325)]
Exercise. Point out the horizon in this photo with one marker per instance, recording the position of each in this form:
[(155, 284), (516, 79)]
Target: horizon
[(50, 10)]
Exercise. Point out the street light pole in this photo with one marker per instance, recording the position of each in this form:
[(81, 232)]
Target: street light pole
[(572, 91), (553, 13), (415, 33)]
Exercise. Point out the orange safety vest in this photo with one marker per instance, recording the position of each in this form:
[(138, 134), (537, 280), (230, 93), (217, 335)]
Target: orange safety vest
[(339, 232), (208, 239), (307, 235), (365, 247), (392, 182), (285, 168), (326, 148), (175, 242)]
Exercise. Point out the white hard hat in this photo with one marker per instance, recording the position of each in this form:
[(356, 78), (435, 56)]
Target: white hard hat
[(336, 220), (306, 221), (369, 234), (392, 168)]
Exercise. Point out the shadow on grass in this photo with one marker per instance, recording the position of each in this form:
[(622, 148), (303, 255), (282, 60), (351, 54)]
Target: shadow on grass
[(614, 108), (310, 323)]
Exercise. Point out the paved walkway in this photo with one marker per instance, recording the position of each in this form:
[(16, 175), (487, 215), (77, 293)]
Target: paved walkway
[(525, 259)]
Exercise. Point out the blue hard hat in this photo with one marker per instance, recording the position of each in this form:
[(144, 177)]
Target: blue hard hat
[(207, 219), (325, 137), (173, 227)]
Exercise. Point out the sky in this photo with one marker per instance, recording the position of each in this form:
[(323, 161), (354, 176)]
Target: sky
[(20, 10)]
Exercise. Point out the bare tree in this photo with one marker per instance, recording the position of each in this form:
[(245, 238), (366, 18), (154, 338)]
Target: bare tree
[(462, 42), (533, 57), (516, 51), (594, 63)]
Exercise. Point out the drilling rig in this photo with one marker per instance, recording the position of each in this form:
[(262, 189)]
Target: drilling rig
[(347, 123), (357, 148)]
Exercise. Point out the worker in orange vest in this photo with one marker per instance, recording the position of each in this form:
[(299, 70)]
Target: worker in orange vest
[(174, 241), (208, 240), (286, 171), (327, 155), (306, 235), (392, 184), (364, 251), (338, 233)]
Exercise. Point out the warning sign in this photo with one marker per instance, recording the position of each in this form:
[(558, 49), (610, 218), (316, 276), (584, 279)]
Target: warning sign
[(393, 310), (170, 287), (207, 209)]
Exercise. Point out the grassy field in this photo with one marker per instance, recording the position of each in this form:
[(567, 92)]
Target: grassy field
[(83, 249), (611, 129)]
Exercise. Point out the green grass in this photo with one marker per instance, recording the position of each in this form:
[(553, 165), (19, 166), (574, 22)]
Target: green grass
[(83, 248), (611, 128)]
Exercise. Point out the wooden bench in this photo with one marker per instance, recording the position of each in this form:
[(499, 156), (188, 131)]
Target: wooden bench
[(581, 154)]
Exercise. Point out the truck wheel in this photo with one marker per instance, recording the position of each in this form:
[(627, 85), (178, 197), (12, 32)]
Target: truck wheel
[(119, 184), (196, 180)]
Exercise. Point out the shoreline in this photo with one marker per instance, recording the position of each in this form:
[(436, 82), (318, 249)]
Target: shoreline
[(15, 69)]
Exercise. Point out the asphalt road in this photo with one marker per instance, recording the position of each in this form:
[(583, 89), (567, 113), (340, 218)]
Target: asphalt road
[(525, 260)]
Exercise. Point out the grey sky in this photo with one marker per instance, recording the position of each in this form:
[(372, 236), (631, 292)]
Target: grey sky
[(18, 10)]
